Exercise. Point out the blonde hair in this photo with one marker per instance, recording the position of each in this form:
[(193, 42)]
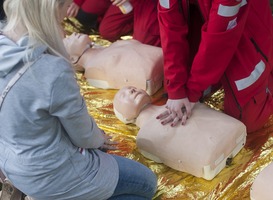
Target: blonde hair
[(39, 19)]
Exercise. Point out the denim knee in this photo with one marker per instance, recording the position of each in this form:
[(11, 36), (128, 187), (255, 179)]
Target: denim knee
[(135, 179)]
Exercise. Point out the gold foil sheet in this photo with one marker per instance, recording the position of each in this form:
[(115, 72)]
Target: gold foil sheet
[(232, 183)]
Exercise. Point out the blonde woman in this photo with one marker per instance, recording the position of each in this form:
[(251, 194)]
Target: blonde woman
[(49, 143)]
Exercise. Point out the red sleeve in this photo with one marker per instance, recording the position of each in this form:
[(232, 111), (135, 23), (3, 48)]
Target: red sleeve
[(220, 37), (78, 2), (173, 31)]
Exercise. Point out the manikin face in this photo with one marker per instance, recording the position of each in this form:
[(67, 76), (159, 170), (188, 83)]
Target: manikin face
[(76, 43), (129, 101)]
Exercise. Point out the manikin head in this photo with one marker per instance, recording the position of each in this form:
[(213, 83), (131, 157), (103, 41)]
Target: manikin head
[(128, 103), (76, 44)]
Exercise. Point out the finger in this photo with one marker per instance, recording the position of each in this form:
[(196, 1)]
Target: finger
[(109, 142), (173, 115), (108, 137), (184, 119), (108, 147), (167, 120), (175, 121), (188, 110), (115, 2), (167, 117), (74, 13), (163, 115), (119, 3), (69, 13), (179, 113)]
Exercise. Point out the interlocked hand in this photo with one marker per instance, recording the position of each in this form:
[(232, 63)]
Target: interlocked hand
[(177, 110)]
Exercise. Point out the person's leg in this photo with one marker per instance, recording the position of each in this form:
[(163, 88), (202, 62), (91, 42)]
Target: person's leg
[(146, 27), (256, 112), (96, 7), (88, 20), (2, 13), (116, 24), (91, 12), (136, 181)]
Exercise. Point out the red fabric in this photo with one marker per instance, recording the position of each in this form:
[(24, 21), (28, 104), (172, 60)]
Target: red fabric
[(221, 51), (173, 33), (78, 2), (255, 113), (116, 24), (112, 22), (222, 54), (142, 21), (93, 6), (146, 27)]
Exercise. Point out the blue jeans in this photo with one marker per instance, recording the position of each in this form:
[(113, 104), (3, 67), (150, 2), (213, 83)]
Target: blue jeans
[(136, 181)]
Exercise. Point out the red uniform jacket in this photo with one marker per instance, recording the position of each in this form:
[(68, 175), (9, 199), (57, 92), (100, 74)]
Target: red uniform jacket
[(235, 47), (79, 2)]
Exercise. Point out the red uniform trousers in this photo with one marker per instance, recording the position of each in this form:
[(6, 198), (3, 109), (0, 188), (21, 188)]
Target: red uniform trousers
[(146, 27), (115, 24), (112, 22), (256, 112), (141, 22)]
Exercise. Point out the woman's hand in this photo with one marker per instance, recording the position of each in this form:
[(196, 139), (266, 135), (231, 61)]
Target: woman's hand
[(73, 10), (177, 110), (108, 143)]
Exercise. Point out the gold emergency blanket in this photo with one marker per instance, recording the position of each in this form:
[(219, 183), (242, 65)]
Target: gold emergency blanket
[(232, 183)]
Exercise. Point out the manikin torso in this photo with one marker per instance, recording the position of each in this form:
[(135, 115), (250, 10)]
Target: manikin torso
[(124, 63), (261, 188), (200, 147)]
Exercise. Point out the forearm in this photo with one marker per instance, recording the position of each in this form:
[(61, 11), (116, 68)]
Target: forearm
[(174, 33)]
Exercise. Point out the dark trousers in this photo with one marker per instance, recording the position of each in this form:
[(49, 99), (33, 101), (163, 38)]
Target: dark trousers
[(2, 14)]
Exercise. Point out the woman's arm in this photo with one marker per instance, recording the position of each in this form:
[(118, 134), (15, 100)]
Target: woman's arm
[(69, 107)]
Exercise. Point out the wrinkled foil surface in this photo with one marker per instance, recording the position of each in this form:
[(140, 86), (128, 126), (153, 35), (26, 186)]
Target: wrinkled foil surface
[(232, 183)]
